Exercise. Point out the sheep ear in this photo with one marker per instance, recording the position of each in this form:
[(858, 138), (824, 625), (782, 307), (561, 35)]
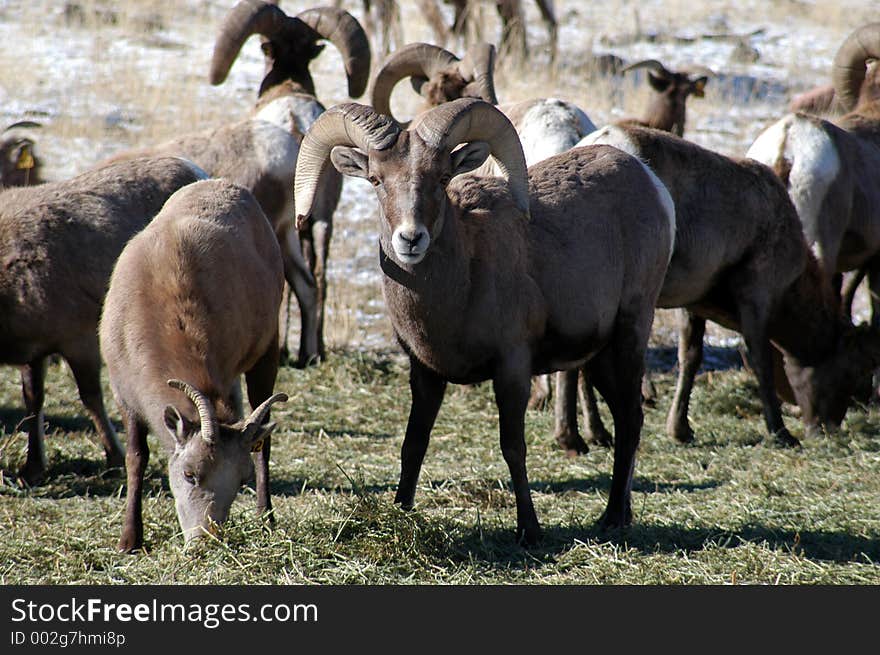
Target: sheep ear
[(349, 161), (699, 87), (255, 442), (177, 426), (659, 84), (268, 49), (469, 156)]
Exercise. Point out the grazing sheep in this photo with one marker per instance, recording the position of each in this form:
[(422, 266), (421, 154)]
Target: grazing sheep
[(740, 260), (58, 244), (831, 169), (476, 290), (192, 304), (287, 98), (19, 164)]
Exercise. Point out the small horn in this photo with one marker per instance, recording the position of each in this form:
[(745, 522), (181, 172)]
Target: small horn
[(348, 124), (346, 34), (25, 125), (848, 69), (653, 64), (246, 18), (469, 119), (412, 60), (478, 64), (207, 420), (255, 420)]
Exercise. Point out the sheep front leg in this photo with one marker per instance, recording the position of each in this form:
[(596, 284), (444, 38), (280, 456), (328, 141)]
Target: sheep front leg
[(136, 458), (511, 388), (260, 381), (33, 377), (300, 280), (427, 390), (690, 356)]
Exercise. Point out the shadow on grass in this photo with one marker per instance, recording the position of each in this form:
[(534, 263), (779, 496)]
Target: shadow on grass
[(602, 482), (12, 421), (497, 546), (347, 432)]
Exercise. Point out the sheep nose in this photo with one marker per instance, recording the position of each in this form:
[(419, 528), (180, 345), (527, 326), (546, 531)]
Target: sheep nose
[(412, 239)]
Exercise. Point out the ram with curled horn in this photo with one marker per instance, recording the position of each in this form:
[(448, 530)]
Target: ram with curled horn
[(831, 167), (502, 278), (192, 305)]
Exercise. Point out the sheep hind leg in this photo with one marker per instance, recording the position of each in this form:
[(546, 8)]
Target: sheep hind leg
[(690, 356), (260, 381), (300, 280), (33, 377), (511, 386), (86, 368), (427, 391), (617, 373), (566, 429)]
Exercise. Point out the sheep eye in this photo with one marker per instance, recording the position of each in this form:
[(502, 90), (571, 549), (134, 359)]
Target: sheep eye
[(374, 180), (190, 477)]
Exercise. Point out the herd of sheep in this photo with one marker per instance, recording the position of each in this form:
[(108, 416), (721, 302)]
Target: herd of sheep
[(516, 240)]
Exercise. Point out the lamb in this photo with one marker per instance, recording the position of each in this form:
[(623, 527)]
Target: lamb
[(668, 107), (192, 304), (741, 260), (19, 164), (476, 291), (831, 169), (58, 244), (287, 98)]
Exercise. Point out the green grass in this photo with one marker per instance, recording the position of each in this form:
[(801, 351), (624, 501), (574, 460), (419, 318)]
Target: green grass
[(726, 509)]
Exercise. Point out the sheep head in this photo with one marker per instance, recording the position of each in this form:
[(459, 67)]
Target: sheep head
[(855, 71), (19, 166), (211, 460), (410, 169), (437, 75), (824, 389), (667, 110), (289, 44)]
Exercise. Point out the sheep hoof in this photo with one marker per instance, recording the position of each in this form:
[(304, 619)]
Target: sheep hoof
[(572, 443), (615, 519), (32, 473), (600, 436), (783, 439), (682, 434), (115, 460), (130, 544), (528, 536)]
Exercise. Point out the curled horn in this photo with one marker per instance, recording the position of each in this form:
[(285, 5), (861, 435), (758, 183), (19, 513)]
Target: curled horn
[(412, 60), (848, 69), (255, 420), (653, 64), (207, 420), (346, 34), (248, 17), (348, 124), (478, 64), (469, 119)]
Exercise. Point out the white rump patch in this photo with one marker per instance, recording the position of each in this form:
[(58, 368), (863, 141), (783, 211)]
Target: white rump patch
[(197, 170), (291, 113), (812, 156), (666, 202), (550, 127), (612, 135)]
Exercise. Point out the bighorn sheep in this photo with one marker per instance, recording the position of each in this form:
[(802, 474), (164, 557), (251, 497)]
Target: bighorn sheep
[(58, 243), (287, 97), (546, 126), (192, 304), (741, 260), (668, 105), (475, 290), (831, 169), (19, 164)]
